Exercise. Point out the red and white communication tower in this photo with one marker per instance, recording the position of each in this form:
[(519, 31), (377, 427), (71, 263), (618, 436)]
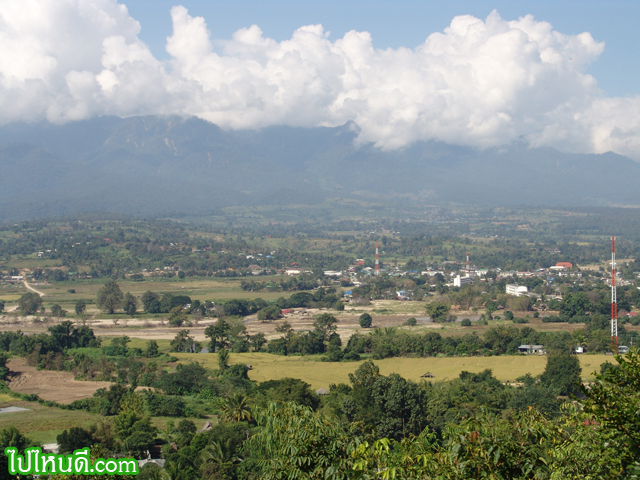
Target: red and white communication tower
[(377, 261), (468, 269), (614, 299)]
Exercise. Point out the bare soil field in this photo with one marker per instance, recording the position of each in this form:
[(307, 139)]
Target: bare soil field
[(385, 313), (49, 385)]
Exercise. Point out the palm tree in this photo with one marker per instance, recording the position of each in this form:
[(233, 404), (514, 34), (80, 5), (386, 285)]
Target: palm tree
[(236, 409), (154, 472), (218, 452)]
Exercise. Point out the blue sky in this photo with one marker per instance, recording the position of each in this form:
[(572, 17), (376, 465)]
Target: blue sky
[(407, 23)]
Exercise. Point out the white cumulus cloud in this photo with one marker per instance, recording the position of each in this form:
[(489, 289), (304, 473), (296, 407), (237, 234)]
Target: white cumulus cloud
[(480, 82)]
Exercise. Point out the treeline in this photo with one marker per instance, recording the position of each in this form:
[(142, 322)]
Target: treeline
[(393, 342)]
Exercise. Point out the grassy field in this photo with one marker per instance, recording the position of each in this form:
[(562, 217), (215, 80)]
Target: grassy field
[(321, 374), (200, 289), (41, 423), (44, 424)]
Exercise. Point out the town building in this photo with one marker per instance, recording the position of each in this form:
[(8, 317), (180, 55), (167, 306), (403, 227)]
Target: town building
[(517, 290)]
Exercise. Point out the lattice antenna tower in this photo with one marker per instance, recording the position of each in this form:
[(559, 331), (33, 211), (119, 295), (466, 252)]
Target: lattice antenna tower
[(614, 299), (377, 261), (468, 269)]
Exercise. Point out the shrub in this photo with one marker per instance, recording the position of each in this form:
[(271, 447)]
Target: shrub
[(412, 322), (365, 320), (466, 322)]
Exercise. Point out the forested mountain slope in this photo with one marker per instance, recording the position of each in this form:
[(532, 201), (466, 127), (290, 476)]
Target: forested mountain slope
[(168, 165)]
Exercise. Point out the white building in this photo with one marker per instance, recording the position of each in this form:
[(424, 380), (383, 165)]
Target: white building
[(517, 290), (459, 281), (332, 273)]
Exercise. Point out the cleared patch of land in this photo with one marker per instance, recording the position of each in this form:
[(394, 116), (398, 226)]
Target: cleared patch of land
[(44, 424), (321, 374), (60, 387)]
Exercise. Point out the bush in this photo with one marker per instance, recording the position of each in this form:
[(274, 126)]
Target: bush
[(164, 405), (334, 354), (466, 322), (508, 315), (271, 312), (412, 322), (365, 320), (351, 356)]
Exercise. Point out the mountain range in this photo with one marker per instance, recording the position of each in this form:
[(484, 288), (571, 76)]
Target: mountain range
[(164, 166)]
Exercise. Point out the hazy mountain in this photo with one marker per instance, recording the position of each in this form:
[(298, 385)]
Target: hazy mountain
[(161, 166)]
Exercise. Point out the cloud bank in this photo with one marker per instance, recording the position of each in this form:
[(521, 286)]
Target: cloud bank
[(479, 82)]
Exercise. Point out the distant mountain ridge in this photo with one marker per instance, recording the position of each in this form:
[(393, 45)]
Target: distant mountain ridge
[(155, 165)]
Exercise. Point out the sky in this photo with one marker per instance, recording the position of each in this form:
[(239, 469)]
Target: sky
[(480, 73)]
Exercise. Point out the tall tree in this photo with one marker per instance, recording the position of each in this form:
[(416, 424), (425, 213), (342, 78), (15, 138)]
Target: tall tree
[(30, 303), (81, 307), (130, 305), (562, 373), (109, 297)]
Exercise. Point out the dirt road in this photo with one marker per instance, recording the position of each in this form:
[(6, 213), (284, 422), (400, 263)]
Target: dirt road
[(29, 287)]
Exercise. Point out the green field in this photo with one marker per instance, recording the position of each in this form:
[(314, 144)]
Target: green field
[(213, 289), (44, 424), (321, 374)]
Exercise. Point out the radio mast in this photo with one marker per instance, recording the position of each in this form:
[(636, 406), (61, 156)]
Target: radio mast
[(614, 299)]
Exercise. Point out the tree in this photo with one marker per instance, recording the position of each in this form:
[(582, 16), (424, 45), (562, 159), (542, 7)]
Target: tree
[(271, 312), (218, 335), (73, 439), (438, 311), (81, 307), (151, 302), (325, 325), (613, 399), (182, 342), (466, 322), (286, 329), (57, 311), (575, 304), (134, 433), (130, 305), (285, 454), (562, 373), (236, 409), (508, 315), (365, 320), (30, 303), (11, 437), (177, 317), (109, 297), (152, 349), (257, 341), (223, 359), (412, 322), (1, 306), (290, 390)]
